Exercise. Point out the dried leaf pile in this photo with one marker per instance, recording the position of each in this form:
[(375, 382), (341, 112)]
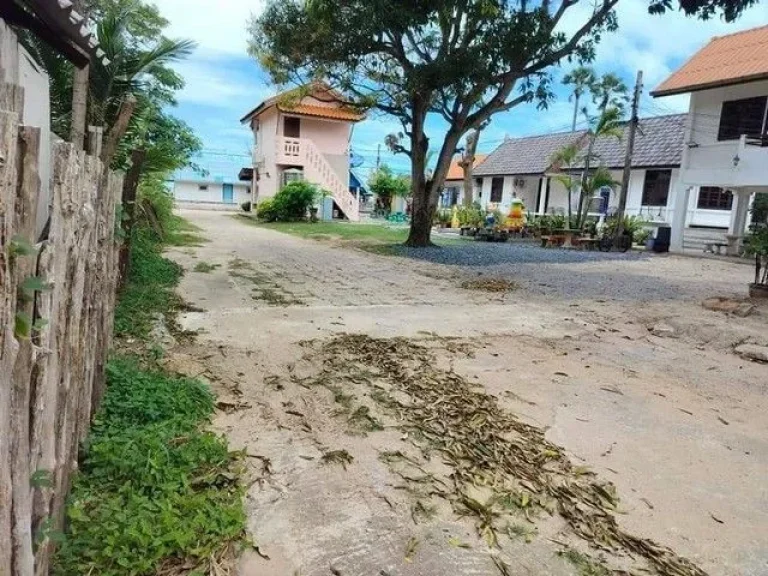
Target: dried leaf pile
[(487, 449), (490, 285)]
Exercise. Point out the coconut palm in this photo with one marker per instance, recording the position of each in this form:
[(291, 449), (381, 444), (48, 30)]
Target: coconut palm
[(582, 79), (607, 125), (130, 34), (564, 161)]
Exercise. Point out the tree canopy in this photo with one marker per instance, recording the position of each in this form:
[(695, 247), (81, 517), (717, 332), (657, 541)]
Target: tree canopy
[(462, 60)]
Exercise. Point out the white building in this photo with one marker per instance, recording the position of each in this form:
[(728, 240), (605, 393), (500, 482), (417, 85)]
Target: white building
[(216, 185), (522, 168), (725, 156)]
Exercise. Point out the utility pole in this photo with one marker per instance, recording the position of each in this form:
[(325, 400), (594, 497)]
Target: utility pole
[(378, 157), (633, 122), (467, 164)]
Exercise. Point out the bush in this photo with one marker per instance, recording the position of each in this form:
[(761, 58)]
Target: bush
[(246, 206), (264, 211), (291, 203)]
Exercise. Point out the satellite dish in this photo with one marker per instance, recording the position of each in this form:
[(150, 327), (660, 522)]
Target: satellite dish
[(355, 161)]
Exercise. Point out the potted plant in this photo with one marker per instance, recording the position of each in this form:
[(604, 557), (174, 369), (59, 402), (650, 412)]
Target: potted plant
[(757, 245)]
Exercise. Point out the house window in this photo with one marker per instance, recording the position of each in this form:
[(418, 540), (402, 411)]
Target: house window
[(292, 175), (656, 187), (746, 116), (497, 189), (714, 198), (292, 127), (479, 187), (202, 187)]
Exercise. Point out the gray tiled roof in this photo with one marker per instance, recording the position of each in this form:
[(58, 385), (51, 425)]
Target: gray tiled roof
[(658, 142), (530, 155)]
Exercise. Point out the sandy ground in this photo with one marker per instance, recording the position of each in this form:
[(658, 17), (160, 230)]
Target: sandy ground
[(671, 416)]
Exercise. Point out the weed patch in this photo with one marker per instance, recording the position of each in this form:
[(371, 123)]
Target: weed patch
[(205, 267), (155, 488), (150, 289)]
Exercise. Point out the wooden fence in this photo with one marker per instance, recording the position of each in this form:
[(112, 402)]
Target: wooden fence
[(57, 297)]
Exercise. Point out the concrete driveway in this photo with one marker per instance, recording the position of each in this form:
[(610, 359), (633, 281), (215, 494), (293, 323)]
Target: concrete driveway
[(647, 393)]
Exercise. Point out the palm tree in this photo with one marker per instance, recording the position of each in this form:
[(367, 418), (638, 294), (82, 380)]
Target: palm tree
[(138, 67), (582, 79), (607, 125), (564, 161)]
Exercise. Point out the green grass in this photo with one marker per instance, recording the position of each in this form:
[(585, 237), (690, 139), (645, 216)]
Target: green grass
[(150, 289), (155, 487), (370, 234)]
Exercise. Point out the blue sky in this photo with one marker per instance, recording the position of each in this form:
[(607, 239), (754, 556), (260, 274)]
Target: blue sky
[(223, 82)]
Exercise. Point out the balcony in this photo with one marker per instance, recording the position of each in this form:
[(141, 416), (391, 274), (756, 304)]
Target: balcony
[(732, 164), (291, 151)]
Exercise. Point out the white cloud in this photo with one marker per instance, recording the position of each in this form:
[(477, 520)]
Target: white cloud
[(216, 26), (213, 81)]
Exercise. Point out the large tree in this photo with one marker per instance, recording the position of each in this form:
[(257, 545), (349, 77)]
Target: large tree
[(463, 60)]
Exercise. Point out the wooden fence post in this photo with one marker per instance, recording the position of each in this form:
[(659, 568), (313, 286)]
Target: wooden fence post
[(130, 187)]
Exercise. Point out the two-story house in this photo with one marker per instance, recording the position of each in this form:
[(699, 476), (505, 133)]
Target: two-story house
[(725, 153), (304, 134)]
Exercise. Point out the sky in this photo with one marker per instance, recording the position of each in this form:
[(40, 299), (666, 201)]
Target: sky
[(223, 83)]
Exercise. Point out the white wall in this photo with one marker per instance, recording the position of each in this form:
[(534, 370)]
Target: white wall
[(37, 112), (190, 192), (727, 164)]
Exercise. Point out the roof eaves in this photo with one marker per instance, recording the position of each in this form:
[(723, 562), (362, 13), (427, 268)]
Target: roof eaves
[(660, 91)]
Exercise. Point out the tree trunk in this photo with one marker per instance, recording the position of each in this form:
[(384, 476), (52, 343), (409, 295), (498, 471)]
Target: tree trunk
[(79, 107), (421, 214), (468, 164)]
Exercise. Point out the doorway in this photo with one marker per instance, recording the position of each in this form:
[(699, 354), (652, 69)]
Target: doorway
[(228, 193)]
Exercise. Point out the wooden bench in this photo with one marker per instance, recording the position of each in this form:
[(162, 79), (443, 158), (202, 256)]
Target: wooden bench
[(586, 243), (715, 247), (552, 241)]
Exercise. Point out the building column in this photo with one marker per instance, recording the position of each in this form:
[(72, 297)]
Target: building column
[(738, 225), (679, 217), (542, 207)]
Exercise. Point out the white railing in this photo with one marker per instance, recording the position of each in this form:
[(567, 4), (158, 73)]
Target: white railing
[(291, 148), (317, 169)]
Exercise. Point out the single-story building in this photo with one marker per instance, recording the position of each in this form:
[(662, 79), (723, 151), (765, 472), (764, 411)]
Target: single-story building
[(205, 189), (522, 168)]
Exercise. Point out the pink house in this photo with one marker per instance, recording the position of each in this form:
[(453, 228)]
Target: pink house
[(304, 134)]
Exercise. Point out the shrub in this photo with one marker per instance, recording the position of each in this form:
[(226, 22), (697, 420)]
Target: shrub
[(290, 204), (246, 206)]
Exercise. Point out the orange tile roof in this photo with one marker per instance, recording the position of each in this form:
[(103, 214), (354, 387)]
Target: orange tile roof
[(456, 172), (726, 60), (332, 113)]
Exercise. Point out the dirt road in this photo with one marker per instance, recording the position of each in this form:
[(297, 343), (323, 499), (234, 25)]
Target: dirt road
[(647, 395)]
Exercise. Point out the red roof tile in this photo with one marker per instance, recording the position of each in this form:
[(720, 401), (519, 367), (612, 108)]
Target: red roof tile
[(726, 60)]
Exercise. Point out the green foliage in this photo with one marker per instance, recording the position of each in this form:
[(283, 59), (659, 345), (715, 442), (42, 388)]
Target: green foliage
[(386, 186), (633, 225), (154, 487), (760, 209), (471, 215), (150, 290), (289, 204), (130, 33)]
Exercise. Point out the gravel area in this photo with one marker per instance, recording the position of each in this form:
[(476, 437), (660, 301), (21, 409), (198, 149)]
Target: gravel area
[(575, 274)]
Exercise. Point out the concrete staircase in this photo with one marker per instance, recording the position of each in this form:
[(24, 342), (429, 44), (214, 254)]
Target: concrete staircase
[(318, 170), (694, 239)]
